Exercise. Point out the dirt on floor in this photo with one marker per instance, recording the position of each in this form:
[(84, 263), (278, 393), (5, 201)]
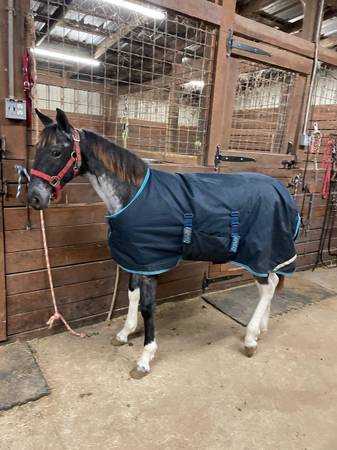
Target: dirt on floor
[(203, 393)]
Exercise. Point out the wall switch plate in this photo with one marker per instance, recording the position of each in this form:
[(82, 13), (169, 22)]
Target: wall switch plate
[(15, 109)]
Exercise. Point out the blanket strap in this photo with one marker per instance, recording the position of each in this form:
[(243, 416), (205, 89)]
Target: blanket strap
[(235, 233), (188, 221)]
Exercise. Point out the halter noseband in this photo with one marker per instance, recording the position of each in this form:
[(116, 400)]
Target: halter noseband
[(74, 161)]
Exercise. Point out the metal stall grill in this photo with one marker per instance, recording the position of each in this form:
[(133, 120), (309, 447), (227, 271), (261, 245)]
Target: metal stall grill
[(149, 76), (324, 103), (261, 107)]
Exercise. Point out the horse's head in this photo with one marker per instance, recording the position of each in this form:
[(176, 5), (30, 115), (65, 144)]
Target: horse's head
[(57, 159)]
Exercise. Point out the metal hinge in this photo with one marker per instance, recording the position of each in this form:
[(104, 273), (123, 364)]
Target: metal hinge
[(229, 158), (4, 188), (2, 147), (243, 47)]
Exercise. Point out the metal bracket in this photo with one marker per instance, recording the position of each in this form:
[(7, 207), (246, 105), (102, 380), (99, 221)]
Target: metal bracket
[(229, 158), (4, 188), (2, 147), (207, 281), (289, 164), (243, 47)]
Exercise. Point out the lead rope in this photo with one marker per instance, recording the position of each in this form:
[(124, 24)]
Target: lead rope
[(57, 315)]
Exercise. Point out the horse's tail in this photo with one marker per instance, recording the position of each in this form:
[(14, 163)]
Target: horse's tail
[(280, 284)]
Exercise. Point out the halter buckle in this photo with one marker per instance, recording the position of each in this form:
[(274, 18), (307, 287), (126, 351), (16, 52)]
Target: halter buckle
[(54, 181), (76, 133)]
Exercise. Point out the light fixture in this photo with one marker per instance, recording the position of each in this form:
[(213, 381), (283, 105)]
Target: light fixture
[(65, 57), (296, 19), (144, 10), (197, 85)]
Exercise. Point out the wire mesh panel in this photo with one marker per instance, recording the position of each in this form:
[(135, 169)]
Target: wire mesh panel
[(324, 104), (261, 107), (140, 76)]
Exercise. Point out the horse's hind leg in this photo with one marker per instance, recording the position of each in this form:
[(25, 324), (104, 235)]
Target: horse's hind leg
[(131, 319), (259, 320)]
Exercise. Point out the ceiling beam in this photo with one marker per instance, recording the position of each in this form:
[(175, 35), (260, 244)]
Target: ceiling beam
[(74, 25), (52, 22), (310, 20), (254, 6), (111, 40)]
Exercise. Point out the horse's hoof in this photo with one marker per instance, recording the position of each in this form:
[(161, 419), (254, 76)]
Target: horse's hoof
[(137, 373), (117, 343), (250, 351)]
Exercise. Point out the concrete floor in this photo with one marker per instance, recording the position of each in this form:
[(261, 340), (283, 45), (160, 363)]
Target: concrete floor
[(203, 393)]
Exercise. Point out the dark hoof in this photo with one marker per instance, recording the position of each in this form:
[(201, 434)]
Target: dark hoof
[(116, 343), (249, 351), (137, 374)]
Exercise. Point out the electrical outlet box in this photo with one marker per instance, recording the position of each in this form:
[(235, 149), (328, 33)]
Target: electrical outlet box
[(15, 109)]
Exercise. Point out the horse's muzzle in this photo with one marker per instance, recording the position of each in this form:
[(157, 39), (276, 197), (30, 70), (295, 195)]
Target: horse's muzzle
[(39, 194)]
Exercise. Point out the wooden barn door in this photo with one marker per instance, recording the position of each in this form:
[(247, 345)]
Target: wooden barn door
[(264, 100)]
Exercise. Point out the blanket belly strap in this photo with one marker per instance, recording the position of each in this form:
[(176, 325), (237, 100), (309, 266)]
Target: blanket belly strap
[(235, 233)]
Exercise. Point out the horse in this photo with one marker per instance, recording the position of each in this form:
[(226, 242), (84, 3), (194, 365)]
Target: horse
[(156, 219)]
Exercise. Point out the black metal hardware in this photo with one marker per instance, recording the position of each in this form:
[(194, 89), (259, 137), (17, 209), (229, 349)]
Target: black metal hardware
[(229, 158), (231, 43), (4, 188), (292, 164), (207, 281), (294, 184), (2, 147)]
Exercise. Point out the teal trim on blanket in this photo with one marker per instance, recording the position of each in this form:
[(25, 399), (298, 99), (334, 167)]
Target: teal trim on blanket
[(140, 190)]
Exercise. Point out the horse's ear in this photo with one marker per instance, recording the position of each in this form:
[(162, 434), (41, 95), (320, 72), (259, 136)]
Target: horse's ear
[(62, 120), (44, 119)]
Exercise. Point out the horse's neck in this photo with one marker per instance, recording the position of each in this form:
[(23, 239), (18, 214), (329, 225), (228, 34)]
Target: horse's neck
[(114, 192)]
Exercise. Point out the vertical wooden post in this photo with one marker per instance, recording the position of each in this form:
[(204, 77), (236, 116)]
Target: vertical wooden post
[(172, 133), (310, 20), (3, 94), (13, 132), (218, 112)]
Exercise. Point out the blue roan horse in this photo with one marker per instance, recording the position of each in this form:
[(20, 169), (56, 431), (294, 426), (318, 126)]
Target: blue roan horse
[(156, 219)]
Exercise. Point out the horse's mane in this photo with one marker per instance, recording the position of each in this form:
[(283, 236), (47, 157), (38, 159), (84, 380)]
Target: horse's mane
[(118, 160)]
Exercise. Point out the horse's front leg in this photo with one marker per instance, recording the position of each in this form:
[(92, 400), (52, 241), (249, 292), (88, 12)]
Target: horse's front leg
[(259, 322), (131, 319), (147, 302)]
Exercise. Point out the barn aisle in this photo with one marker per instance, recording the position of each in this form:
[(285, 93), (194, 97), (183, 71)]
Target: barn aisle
[(203, 392)]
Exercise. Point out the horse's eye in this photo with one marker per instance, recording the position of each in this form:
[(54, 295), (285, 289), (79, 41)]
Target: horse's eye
[(56, 153)]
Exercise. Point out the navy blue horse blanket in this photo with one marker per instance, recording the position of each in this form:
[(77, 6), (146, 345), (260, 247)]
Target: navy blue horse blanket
[(247, 219)]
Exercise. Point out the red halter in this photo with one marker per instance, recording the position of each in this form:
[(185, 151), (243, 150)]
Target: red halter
[(75, 162)]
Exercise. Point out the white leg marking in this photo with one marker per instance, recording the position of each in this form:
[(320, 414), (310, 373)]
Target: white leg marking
[(266, 293), (131, 320), (265, 319), (149, 351)]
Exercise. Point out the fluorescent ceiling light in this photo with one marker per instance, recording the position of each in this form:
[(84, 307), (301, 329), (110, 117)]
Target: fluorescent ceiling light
[(296, 19), (146, 11), (329, 33), (195, 84), (64, 57)]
